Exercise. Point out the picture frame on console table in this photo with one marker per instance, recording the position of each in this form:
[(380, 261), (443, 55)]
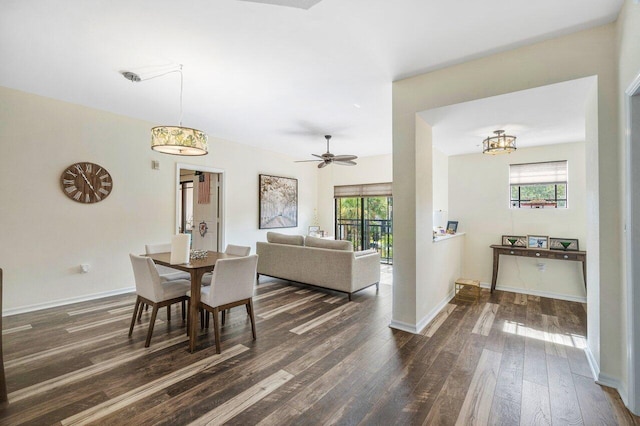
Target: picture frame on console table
[(538, 241), (564, 244), (514, 240)]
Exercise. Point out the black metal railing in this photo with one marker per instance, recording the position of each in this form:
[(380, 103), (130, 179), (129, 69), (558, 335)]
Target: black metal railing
[(378, 235)]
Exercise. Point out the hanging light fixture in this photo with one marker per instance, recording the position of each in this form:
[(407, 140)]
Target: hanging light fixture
[(175, 140), (499, 144)]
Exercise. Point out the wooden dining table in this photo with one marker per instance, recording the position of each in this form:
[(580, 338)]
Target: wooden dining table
[(196, 268)]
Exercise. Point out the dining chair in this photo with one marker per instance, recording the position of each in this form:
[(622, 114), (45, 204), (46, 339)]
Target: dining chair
[(166, 273), (232, 285), (150, 289), (231, 249)]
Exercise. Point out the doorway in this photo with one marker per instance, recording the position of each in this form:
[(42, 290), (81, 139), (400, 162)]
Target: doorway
[(367, 222), (199, 206)]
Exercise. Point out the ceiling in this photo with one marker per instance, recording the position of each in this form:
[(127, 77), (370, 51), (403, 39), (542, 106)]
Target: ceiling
[(277, 74)]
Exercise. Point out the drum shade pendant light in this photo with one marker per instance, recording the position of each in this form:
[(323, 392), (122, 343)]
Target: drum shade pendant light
[(499, 144), (175, 140)]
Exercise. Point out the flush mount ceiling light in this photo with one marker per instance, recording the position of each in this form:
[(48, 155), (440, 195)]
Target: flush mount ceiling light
[(175, 140), (499, 144)]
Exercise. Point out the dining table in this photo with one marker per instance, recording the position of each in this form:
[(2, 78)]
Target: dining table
[(196, 268)]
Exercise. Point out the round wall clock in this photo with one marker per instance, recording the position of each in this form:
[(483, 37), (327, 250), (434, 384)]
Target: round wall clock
[(86, 182)]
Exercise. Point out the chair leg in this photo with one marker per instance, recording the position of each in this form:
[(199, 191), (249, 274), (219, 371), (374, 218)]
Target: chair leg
[(201, 318), (183, 309), (142, 308), (135, 313), (216, 328), (253, 320), (154, 312), (224, 316), (168, 312), (206, 318)]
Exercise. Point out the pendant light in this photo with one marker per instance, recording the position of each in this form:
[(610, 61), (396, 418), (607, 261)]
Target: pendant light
[(499, 144)]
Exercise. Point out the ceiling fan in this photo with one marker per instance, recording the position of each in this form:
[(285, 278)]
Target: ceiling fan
[(328, 158)]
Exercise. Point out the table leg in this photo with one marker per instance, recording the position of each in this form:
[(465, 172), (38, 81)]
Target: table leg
[(584, 272), (494, 278), (194, 302)]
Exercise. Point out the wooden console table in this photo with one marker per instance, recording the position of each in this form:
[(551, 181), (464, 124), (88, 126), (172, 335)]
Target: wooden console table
[(579, 256)]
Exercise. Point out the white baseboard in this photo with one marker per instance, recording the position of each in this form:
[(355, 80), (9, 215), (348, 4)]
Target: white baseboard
[(417, 328), (567, 297), (593, 364), (62, 302)]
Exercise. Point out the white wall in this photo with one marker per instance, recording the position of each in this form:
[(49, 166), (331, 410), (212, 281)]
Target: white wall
[(440, 182), (45, 236), (578, 55), (479, 200)]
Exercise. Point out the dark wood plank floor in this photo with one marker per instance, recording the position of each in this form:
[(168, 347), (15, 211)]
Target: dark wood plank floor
[(319, 359)]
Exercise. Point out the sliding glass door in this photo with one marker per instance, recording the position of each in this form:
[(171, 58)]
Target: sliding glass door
[(367, 222)]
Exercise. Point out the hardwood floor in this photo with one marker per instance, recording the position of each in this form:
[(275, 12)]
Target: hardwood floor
[(318, 359)]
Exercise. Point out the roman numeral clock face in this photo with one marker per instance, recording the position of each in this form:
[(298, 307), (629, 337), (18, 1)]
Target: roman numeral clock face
[(86, 183)]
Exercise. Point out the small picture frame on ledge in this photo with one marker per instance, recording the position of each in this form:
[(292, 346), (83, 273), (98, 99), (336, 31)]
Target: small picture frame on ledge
[(514, 240), (538, 241), (565, 244), (452, 227), (314, 231)]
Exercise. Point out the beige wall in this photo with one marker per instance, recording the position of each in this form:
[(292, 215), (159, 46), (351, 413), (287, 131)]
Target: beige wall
[(45, 236), (440, 181), (479, 200), (582, 54)]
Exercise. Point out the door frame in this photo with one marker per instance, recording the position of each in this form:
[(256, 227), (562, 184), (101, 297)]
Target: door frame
[(221, 195)]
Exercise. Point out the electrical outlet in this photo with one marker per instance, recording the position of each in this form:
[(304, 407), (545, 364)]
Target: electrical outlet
[(541, 267), (84, 267)]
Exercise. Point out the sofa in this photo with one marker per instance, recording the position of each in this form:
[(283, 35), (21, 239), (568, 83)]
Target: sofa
[(319, 262)]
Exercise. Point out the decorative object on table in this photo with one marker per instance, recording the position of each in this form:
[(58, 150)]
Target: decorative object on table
[(198, 254), (278, 202), (566, 244), (314, 230), (499, 144), (538, 241), (180, 245), (329, 158), (176, 140), (514, 240), (452, 227), (86, 182), (203, 228)]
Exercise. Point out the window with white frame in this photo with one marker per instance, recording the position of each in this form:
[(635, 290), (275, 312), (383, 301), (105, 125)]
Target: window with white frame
[(538, 185)]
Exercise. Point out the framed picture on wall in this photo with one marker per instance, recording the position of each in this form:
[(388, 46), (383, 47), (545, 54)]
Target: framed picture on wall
[(538, 241), (278, 202)]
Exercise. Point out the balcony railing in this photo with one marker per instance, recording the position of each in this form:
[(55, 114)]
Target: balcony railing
[(378, 235)]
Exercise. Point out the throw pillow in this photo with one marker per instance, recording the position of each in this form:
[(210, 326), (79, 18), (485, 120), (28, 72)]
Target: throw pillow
[(328, 244), (293, 240)]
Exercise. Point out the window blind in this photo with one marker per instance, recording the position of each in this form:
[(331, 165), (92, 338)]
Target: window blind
[(552, 172), (364, 190)]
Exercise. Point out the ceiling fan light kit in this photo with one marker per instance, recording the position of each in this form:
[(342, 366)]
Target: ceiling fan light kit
[(499, 144), (329, 158), (174, 140)]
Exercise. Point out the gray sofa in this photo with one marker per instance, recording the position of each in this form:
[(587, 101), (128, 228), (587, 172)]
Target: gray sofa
[(324, 263)]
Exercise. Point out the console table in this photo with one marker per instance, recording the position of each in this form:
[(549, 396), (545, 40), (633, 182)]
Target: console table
[(579, 256)]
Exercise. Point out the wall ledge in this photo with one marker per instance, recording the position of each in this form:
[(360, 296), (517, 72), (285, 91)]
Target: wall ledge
[(447, 237)]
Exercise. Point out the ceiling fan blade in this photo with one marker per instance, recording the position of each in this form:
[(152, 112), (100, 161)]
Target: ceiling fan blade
[(305, 161), (346, 163), (345, 157), (316, 155), (323, 164)]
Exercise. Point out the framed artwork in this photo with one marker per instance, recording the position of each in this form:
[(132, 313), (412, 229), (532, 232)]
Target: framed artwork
[(514, 240), (566, 244), (452, 226), (314, 231), (538, 241), (278, 202)]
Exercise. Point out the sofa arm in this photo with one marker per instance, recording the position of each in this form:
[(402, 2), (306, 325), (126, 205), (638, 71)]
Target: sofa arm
[(366, 271)]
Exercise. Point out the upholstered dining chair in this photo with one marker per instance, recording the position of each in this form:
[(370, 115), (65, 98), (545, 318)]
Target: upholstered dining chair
[(166, 273), (232, 285), (231, 249), (154, 292)]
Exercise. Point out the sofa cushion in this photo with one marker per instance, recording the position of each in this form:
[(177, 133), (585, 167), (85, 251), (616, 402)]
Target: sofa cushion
[(293, 240), (328, 244)]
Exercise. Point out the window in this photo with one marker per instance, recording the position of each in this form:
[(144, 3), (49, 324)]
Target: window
[(538, 185)]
